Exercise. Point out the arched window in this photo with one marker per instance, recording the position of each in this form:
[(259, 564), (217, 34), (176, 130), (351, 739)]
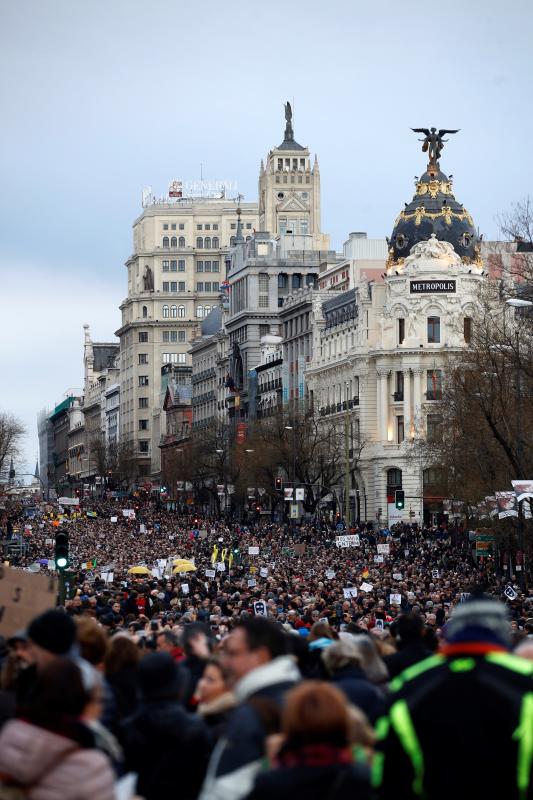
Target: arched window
[(199, 311), (165, 312), (232, 241), (207, 309), (165, 242), (199, 242), (173, 242), (145, 312), (181, 311), (215, 243), (394, 479), (182, 241), (173, 311), (207, 242)]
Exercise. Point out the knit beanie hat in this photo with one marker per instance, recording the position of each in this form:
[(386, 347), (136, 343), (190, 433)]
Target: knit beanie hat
[(54, 631), (160, 677), (479, 619)]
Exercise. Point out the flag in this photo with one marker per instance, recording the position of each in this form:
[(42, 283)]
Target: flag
[(230, 560), (224, 554), (91, 514), (89, 564), (365, 573), (214, 555)]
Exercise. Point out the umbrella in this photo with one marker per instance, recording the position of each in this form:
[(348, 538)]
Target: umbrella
[(182, 565), (139, 571)]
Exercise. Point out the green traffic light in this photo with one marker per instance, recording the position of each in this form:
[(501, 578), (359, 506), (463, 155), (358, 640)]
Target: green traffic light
[(61, 562)]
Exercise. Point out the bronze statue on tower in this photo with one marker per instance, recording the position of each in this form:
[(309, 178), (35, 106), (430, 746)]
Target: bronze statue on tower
[(433, 143)]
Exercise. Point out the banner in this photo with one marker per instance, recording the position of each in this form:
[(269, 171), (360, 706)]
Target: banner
[(507, 506), (287, 493), (523, 490), (350, 540), (349, 592), (300, 494), (23, 596)]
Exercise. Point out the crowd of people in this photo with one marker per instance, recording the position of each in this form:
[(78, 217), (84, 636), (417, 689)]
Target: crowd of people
[(270, 659)]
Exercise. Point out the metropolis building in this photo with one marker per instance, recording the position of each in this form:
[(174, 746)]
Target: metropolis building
[(380, 363)]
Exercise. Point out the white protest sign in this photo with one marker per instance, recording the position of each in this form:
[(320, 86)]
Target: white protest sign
[(510, 592), (434, 573), (406, 553), (210, 573), (330, 573), (48, 541), (113, 519), (260, 608), (221, 567), (263, 572), (129, 513), (378, 559), (350, 591), (142, 528), (252, 582), (162, 562), (351, 540), (300, 494), (384, 548), (157, 572), (107, 577), (397, 576), (253, 551), (395, 599), (366, 587), (185, 588)]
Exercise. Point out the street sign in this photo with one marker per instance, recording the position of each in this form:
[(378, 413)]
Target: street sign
[(294, 511)]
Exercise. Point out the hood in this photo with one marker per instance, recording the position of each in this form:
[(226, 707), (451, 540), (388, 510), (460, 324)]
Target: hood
[(279, 670), (26, 750), (224, 703)]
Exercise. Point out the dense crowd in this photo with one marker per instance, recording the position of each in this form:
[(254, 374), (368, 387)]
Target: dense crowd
[(283, 660)]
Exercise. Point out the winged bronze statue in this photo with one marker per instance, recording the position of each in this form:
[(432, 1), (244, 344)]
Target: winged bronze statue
[(433, 142)]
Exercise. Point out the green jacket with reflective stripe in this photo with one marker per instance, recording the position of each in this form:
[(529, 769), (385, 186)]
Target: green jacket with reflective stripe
[(458, 727)]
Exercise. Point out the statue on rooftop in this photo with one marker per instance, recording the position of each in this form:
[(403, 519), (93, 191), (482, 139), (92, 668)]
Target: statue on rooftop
[(433, 143)]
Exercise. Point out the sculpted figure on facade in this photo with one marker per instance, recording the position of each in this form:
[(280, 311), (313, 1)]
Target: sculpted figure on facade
[(148, 279), (432, 248)]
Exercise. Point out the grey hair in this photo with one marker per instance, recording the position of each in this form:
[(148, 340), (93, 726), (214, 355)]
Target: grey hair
[(341, 654), (372, 663)]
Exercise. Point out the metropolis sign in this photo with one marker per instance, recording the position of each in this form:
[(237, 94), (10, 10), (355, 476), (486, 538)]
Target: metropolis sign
[(431, 287)]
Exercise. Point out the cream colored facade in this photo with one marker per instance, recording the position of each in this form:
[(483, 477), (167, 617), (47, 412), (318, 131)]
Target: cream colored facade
[(381, 365), (174, 277)]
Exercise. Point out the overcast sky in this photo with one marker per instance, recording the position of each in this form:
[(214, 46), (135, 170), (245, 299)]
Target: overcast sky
[(100, 98)]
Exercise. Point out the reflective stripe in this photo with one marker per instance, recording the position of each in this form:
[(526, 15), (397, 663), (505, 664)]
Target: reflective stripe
[(415, 670), (403, 725), (462, 664), (515, 663), (381, 728), (524, 735), (376, 770)]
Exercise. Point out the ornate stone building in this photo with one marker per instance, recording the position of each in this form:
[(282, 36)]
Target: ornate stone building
[(384, 349)]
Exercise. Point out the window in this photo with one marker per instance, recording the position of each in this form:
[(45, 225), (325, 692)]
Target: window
[(173, 266), (166, 336), (181, 286), (198, 227), (398, 390), (165, 286), (467, 329), (207, 226), (434, 384), (143, 380), (215, 243), (181, 311), (181, 240), (263, 301), (433, 476), (143, 424), (143, 336), (207, 266), (182, 358), (173, 226), (143, 358), (215, 266), (181, 265), (263, 282), (182, 226), (207, 309), (282, 224), (215, 226), (233, 226), (173, 242), (434, 428), (145, 312), (165, 241), (296, 281), (207, 243), (166, 265), (143, 402), (181, 336), (199, 266), (232, 241), (199, 311), (249, 226), (399, 430), (173, 286), (200, 286), (264, 330), (394, 479), (216, 286), (165, 312), (165, 227), (282, 281), (143, 445), (173, 336), (173, 311), (433, 330), (199, 242), (401, 330), (207, 287)]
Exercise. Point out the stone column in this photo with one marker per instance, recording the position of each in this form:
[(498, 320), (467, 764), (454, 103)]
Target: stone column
[(417, 401), (407, 402), (383, 419)]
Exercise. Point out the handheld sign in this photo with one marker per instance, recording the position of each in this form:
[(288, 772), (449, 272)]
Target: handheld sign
[(349, 592), (260, 608), (23, 596), (395, 599)]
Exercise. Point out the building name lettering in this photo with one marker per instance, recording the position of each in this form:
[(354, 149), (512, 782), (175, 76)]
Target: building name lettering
[(426, 287)]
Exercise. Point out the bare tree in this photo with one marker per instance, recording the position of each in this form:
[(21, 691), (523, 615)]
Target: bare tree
[(12, 432)]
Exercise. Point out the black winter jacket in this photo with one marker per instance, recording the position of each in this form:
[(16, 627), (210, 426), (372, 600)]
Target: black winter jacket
[(360, 691)]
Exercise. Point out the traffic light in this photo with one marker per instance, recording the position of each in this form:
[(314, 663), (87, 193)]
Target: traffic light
[(278, 484), (61, 550), (399, 499)]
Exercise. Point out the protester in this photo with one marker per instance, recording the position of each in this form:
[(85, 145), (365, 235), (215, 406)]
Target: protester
[(471, 702), (255, 656), (408, 631), (343, 662), (122, 676), (215, 700), (163, 743), (315, 759), (48, 752)]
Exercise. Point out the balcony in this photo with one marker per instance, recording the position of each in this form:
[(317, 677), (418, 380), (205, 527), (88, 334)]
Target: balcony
[(398, 397)]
